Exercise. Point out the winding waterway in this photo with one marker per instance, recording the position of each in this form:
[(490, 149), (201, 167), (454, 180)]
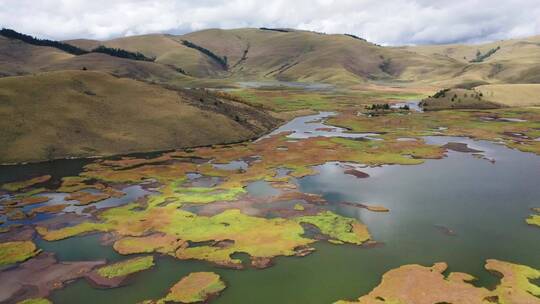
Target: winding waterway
[(462, 209)]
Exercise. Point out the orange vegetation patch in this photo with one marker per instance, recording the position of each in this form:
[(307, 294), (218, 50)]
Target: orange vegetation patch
[(48, 209), (25, 201), (86, 198), (16, 186), (415, 284)]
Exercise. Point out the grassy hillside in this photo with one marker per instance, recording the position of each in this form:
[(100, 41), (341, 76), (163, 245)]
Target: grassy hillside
[(20, 58), (458, 99), (167, 49), (255, 54), (294, 55), (263, 55), (508, 61), (84, 113), (512, 94)]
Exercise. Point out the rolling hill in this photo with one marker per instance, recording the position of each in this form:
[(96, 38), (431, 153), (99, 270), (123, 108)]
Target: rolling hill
[(294, 55), (85, 113)]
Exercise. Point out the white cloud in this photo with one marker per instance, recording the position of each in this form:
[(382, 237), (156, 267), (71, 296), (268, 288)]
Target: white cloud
[(390, 22)]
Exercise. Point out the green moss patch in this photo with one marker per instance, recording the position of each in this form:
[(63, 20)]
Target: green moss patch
[(13, 252), (338, 228), (35, 301), (126, 267)]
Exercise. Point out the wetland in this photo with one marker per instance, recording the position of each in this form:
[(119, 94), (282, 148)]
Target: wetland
[(293, 217)]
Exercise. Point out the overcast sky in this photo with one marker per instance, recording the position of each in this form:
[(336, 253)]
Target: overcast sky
[(388, 22)]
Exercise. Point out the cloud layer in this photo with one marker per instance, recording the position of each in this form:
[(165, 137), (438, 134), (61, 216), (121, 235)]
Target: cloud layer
[(389, 22)]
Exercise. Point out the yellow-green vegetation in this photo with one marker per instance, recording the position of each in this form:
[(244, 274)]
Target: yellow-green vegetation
[(35, 301), (534, 219), (16, 186), (258, 237), (486, 125), (199, 195), (127, 267), (299, 207), (289, 100), (162, 243), (431, 286), (297, 100), (193, 288), (17, 251), (515, 285), (338, 228)]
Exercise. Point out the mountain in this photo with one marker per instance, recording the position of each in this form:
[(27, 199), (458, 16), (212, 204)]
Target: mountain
[(507, 61), (294, 55)]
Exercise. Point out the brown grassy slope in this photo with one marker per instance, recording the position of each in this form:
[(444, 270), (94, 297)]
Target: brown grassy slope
[(255, 54), (141, 70), (308, 56), (84, 113), (517, 61), (263, 55), (18, 58), (168, 50), (85, 44)]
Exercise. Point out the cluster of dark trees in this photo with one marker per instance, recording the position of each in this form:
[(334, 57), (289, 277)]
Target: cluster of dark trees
[(274, 29), (220, 60), (355, 37), (481, 57), (441, 93), (379, 106), (66, 47), (386, 65), (121, 53), (9, 33)]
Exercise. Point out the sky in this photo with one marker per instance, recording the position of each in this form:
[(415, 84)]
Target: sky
[(387, 22)]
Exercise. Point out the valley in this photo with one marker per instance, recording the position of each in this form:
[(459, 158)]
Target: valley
[(269, 166)]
